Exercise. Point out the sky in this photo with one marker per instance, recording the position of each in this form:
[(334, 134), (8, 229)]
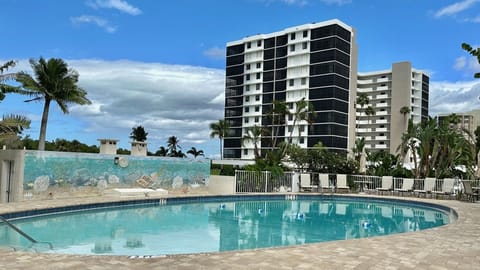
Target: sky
[(161, 64)]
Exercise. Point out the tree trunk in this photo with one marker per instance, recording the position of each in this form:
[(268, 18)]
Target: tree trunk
[(43, 126)]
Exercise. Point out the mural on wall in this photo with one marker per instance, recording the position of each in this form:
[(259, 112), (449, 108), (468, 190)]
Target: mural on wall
[(44, 170)]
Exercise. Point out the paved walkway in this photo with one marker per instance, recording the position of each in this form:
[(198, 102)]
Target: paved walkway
[(454, 246)]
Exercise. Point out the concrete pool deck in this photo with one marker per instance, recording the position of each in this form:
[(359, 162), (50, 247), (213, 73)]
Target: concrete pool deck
[(454, 246)]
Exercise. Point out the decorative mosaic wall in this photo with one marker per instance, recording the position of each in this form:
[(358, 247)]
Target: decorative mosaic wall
[(45, 171)]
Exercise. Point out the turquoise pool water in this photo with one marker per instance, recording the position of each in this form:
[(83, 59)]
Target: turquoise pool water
[(176, 228)]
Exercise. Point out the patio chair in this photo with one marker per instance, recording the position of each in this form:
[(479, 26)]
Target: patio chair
[(428, 186), (468, 191), (387, 183), (447, 187), (342, 182), (324, 181), (305, 183), (407, 185)]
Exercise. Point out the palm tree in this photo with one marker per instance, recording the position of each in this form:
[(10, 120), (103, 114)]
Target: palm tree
[(277, 116), (138, 134), (10, 125), (194, 152), (358, 148), (405, 110), (369, 111), (410, 144), (303, 111), (173, 144), (53, 81), (219, 129), (162, 152), (254, 135)]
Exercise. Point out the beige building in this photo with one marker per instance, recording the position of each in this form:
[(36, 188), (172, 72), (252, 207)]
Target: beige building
[(388, 92), (465, 121)]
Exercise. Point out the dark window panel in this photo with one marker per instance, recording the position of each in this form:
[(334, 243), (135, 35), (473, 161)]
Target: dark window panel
[(236, 49), (267, 87), (269, 43), (282, 40), (330, 55), (235, 60), (280, 74), (234, 70), (268, 76), (281, 52), (268, 54), (328, 92), (268, 65), (329, 67), (280, 85), (330, 104), (281, 63)]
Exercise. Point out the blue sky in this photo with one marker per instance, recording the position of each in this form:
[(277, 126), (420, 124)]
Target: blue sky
[(160, 64)]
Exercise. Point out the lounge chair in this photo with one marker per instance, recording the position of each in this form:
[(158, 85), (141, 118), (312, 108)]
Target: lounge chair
[(468, 191), (324, 181), (305, 183), (407, 185), (428, 186), (342, 182), (447, 187), (387, 183)]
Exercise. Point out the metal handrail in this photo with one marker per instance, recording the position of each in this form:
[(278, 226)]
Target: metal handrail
[(24, 234)]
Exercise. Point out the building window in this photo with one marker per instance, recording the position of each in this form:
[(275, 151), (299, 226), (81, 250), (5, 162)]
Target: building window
[(292, 36), (290, 117), (303, 81), (256, 119), (304, 45), (249, 45), (291, 82), (259, 65), (382, 142), (247, 77), (305, 33), (290, 128), (292, 47), (302, 140), (247, 109), (259, 43), (290, 105), (382, 126), (382, 134), (248, 67), (257, 98), (245, 152), (246, 119), (258, 76), (247, 87), (247, 98), (257, 108), (301, 128), (257, 87)]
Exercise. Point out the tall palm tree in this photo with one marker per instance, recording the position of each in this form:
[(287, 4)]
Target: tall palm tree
[(219, 129), (173, 144), (53, 81), (404, 111), (303, 111), (277, 115), (410, 144), (369, 111), (138, 134), (194, 152), (254, 135)]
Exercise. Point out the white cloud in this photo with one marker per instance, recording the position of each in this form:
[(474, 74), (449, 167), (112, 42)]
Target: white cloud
[(120, 5), (455, 8), (473, 20), (460, 63), (166, 99), (100, 22), (449, 97), (215, 53)]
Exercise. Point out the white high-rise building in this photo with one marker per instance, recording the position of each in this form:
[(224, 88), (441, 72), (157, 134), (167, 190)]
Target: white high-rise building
[(389, 91)]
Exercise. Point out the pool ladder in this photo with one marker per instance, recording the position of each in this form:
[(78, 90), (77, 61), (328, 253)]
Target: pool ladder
[(24, 234)]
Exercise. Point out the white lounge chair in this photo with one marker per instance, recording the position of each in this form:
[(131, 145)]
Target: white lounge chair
[(342, 182), (324, 181), (447, 187), (428, 186), (407, 185), (305, 183), (387, 183)]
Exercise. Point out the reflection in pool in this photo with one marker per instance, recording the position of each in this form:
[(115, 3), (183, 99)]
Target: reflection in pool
[(219, 226)]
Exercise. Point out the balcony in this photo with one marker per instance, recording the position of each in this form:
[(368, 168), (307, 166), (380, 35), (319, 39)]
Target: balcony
[(380, 146), (382, 88), (382, 96), (381, 113), (380, 138), (382, 105), (381, 129), (381, 121)]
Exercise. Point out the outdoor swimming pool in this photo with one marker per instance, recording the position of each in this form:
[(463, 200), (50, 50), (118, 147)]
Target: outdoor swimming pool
[(212, 224)]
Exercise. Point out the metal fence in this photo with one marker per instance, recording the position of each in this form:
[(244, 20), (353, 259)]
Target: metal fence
[(252, 181), (261, 182)]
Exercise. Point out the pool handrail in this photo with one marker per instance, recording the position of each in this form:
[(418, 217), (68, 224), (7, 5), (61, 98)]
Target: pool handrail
[(24, 234)]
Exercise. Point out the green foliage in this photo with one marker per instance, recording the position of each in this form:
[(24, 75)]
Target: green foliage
[(195, 153), (138, 134), (223, 169), (52, 81), (474, 53), (477, 141), (62, 145), (220, 129)]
